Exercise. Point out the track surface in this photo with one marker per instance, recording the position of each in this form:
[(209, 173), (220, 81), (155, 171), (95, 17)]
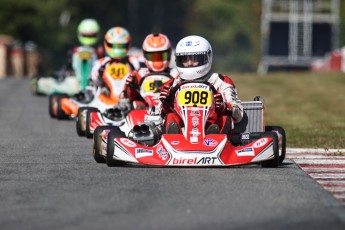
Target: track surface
[(49, 180)]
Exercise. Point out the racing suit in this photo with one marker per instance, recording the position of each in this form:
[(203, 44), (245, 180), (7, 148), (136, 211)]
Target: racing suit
[(110, 74), (224, 86), (135, 81)]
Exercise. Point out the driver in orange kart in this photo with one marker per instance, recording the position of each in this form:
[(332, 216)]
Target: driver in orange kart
[(116, 67), (194, 60), (110, 72)]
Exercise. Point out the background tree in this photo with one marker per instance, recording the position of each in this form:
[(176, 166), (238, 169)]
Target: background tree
[(232, 26)]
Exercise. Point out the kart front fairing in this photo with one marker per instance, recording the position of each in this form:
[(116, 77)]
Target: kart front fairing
[(175, 150)]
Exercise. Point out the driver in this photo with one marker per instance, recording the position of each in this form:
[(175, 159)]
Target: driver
[(116, 43), (194, 60), (157, 53)]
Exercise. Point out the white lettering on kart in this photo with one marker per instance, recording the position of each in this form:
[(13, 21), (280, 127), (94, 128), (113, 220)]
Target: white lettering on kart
[(127, 142), (195, 161), (261, 142)]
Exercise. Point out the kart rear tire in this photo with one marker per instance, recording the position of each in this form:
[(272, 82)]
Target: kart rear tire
[(88, 133), (281, 131), (97, 145), (61, 115), (114, 133), (274, 163), (52, 97), (34, 86)]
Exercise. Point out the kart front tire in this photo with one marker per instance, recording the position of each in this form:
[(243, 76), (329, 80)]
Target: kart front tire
[(78, 123), (281, 131), (88, 133), (97, 144), (273, 163), (114, 133)]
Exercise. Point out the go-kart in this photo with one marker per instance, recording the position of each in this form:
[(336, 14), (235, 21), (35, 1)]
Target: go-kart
[(61, 106), (89, 118), (194, 102), (71, 78)]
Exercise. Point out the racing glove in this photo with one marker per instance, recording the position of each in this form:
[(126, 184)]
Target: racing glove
[(100, 73), (221, 106), (132, 80), (165, 92)]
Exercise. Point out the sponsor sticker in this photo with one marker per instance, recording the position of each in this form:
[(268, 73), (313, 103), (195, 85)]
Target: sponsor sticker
[(175, 142), (193, 139), (195, 113), (261, 142), (139, 152), (245, 136), (195, 132), (195, 121), (210, 142), (128, 142), (245, 152), (161, 152)]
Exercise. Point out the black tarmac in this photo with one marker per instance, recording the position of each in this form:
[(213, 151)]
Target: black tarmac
[(49, 180)]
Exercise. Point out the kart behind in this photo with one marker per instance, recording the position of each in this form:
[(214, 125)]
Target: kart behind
[(62, 106), (68, 80), (89, 118)]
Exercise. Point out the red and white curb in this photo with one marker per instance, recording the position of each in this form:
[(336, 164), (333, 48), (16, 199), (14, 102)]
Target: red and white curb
[(326, 166)]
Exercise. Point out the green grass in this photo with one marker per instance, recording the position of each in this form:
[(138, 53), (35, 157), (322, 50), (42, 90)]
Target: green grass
[(310, 107)]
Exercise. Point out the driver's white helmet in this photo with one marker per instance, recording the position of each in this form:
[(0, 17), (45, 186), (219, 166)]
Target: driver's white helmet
[(193, 57)]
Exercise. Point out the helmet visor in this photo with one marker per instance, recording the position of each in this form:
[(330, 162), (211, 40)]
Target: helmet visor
[(88, 35), (157, 56), (186, 60), (117, 45)]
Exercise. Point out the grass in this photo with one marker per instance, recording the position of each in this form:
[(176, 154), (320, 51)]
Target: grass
[(309, 106)]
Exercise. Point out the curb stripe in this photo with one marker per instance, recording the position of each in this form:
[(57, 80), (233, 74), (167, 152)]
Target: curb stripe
[(325, 166)]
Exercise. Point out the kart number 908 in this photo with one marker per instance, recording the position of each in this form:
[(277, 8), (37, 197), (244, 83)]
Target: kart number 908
[(194, 97)]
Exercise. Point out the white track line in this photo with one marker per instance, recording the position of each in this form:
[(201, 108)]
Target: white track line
[(330, 161), (316, 150)]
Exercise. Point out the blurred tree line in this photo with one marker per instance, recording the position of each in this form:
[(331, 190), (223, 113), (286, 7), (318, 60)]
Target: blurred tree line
[(232, 26)]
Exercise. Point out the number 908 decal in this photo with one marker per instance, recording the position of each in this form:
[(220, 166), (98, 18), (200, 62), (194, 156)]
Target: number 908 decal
[(191, 97)]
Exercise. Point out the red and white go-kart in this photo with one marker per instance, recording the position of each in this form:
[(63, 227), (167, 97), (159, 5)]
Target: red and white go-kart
[(194, 102), (89, 118)]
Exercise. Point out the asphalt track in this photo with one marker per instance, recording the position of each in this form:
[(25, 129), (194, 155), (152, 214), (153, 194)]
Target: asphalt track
[(49, 180)]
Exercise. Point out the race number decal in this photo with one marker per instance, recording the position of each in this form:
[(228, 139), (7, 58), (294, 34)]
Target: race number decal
[(117, 70), (85, 55), (194, 97), (153, 86)]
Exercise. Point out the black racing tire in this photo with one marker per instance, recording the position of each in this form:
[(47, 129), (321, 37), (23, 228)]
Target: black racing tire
[(281, 131), (97, 144), (61, 115), (52, 97), (114, 133), (78, 123), (88, 133), (34, 86), (274, 163)]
